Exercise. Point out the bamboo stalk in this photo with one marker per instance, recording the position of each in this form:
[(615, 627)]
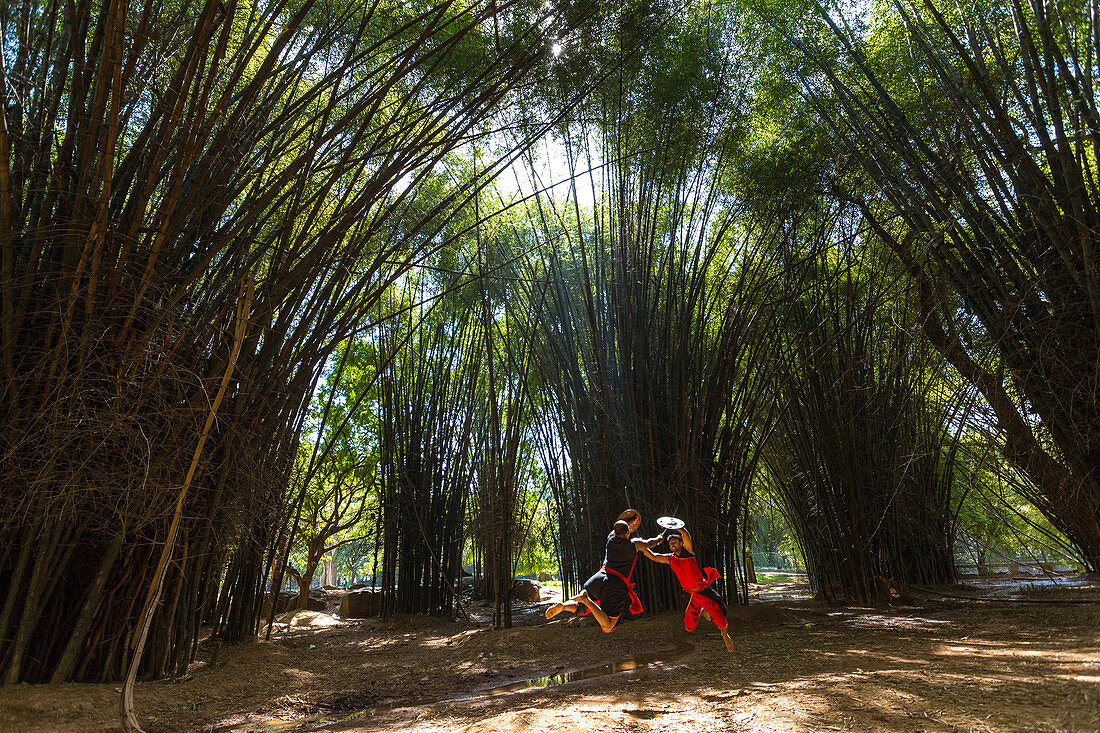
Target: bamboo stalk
[(129, 721)]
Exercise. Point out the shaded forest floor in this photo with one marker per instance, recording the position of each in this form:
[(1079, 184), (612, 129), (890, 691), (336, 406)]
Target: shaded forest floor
[(934, 664)]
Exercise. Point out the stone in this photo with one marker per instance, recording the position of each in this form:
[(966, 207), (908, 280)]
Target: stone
[(362, 603), (286, 600), (528, 591)]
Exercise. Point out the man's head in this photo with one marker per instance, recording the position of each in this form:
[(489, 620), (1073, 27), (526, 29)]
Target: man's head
[(632, 517), (622, 529), (675, 541)]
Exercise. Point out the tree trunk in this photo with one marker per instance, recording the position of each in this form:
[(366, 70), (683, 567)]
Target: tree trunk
[(328, 570), (305, 580), (750, 568)]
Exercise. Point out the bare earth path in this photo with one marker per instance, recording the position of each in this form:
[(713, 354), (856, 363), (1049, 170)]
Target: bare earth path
[(934, 666)]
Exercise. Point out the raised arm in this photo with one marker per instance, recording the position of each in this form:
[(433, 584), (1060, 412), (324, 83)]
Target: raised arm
[(686, 536), (654, 556), (641, 544)]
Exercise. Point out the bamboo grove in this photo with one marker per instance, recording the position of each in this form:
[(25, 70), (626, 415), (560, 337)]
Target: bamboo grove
[(161, 160), (655, 344), (986, 170), (863, 454), (284, 283)]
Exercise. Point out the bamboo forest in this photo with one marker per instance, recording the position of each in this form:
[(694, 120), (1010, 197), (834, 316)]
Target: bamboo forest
[(474, 366)]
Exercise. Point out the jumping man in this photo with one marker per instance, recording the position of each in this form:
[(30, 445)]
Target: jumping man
[(609, 593), (692, 580)]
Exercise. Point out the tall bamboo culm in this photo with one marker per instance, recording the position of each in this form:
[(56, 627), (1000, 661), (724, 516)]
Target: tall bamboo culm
[(426, 459)]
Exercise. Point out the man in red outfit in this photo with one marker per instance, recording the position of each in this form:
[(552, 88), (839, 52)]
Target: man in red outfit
[(694, 581)]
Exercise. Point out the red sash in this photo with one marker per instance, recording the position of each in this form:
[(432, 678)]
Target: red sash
[(635, 602)]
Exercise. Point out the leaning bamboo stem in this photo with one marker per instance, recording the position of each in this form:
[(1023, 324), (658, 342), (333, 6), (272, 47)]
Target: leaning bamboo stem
[(71, 655), (141, 633)]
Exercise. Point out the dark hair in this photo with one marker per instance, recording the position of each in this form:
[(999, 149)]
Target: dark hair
[(622, 529), (673, 533)]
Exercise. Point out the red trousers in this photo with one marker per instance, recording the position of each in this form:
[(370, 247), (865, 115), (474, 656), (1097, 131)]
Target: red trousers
[(698, 602)]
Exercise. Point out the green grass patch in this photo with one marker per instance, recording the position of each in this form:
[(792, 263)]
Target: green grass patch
[(767, 578)]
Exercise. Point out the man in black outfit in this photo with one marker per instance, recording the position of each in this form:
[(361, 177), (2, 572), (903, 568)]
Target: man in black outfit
[(608, 594)]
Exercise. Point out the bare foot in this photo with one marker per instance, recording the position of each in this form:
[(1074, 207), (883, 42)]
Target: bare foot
[(729, 642), (554, 610)]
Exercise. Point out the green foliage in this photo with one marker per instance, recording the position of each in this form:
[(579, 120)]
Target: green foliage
[(539, 551), (994, 521), (771, 533)]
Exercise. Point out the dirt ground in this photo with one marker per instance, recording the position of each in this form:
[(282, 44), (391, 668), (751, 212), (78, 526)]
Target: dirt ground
[(1028, 661)]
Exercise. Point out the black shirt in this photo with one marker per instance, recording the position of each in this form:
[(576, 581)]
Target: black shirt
[(619, 554)]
